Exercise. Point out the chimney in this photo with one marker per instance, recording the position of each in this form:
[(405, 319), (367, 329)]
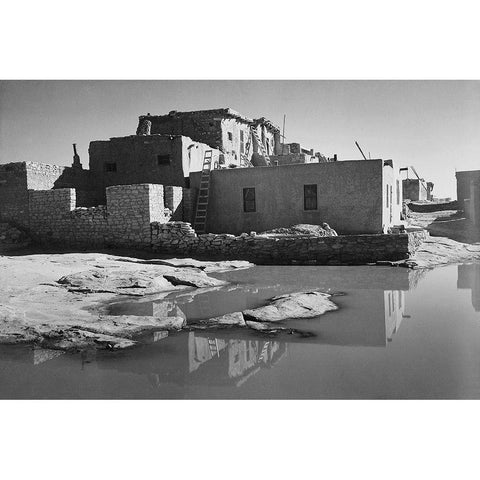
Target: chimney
[(76, 159)]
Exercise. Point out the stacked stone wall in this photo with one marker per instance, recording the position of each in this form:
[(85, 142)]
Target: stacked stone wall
[(123, 222), (180, 239)]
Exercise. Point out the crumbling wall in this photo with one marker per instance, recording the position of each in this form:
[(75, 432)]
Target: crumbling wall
[(123, 222), (179, 238)]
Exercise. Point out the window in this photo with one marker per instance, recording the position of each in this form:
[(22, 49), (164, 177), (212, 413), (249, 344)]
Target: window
[(249, 200), (387, 195), (398, 192), (230, 136), (242, 143), (110, 167), (163, 159), (310, 197)]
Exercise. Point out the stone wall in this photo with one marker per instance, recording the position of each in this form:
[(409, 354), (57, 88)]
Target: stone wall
[(13, 194), (179, 238), (123, 222)]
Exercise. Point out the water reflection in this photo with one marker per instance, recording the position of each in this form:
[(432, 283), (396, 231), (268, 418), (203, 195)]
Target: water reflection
[(468, 277)]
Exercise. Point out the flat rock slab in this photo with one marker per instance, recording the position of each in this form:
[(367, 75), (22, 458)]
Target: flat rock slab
[(208, 267), (437, 251), (137, 281), (234, 319), (292, 306), (192, 277)]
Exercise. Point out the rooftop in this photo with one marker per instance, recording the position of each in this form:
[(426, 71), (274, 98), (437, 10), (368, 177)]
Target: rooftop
[(220, 112)]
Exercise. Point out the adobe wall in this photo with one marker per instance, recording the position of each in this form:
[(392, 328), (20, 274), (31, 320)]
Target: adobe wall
[(392, 205), (13, 194), (349, 197), (463, 185), (42, 176), (413, 190), (136, 160), (179, 238)]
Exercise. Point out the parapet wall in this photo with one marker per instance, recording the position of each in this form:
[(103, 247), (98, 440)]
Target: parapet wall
[(180, 239)]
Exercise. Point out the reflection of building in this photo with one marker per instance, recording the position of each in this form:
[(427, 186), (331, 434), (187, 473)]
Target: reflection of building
[(469, 277), (202, 358), (394, 302)]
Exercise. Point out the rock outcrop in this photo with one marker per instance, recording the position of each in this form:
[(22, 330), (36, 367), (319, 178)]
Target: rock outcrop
[(292, 306)]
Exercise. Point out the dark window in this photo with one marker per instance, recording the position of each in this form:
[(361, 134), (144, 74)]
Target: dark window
[(310, 197), (241, 135), (110, 167), (249, 200), (242, 144), (387, 196), (163, 159), (398, 192), (230, 136)]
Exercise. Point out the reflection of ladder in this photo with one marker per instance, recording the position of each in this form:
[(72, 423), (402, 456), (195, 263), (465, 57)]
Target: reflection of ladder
[(264, 351), (202, 200), (261, 146), (213, 345)]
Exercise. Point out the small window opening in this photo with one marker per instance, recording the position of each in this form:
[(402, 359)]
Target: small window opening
[(163, 159), (249, 204), (230, 136), (310, 197), (110, 167)]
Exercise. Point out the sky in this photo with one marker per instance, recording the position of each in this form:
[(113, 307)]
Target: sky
[(432, 125)]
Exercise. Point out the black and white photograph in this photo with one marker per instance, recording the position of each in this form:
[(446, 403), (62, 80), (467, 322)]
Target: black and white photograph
[(196, 240)]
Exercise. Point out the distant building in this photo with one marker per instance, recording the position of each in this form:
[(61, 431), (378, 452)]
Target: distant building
[(415, 189), (467, 184)]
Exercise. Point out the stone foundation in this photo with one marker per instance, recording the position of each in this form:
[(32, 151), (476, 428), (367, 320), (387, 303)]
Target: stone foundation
[(179, 238)]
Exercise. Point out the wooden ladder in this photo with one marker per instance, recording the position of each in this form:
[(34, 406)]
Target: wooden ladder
[(200, 222), (261, 146)]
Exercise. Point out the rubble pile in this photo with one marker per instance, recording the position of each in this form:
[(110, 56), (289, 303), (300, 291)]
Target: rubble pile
[(301, 229)]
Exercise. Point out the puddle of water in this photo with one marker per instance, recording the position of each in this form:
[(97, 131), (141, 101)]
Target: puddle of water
[(398, 334)]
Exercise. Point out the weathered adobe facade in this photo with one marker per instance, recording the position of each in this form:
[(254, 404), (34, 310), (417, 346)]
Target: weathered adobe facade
[(415, 190), (361, 196), (223, 129), (162, 159)]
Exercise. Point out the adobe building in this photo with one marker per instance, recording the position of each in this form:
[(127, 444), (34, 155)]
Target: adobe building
[(465, 180), (223, 129), (356, 196), (287, 185), (415, 189)]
